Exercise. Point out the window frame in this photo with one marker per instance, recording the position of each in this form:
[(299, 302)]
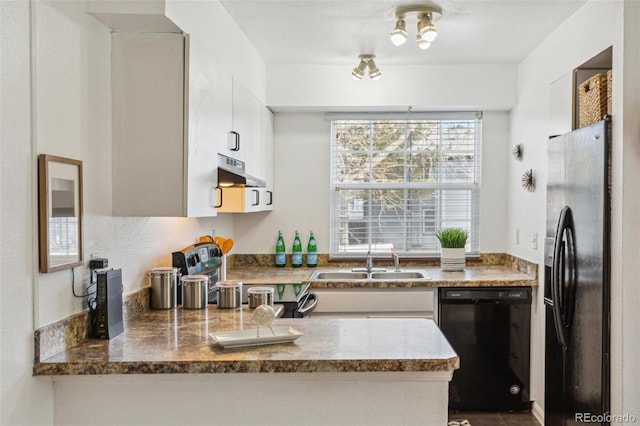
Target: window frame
[(474, 187)]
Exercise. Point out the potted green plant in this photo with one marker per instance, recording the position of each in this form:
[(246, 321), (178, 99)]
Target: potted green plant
[(453, 241)]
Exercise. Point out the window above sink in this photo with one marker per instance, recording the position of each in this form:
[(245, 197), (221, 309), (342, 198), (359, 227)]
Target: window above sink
[(399, 178)]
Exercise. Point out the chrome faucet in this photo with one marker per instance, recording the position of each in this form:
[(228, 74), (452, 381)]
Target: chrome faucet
[(396, 261), (369, 262), (369, 265)]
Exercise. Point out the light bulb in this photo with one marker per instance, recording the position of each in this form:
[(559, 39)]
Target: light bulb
[(399, 34), (426, 30), (422, 43), (398, 38), (374, 71), (430, 34), (358, 72)]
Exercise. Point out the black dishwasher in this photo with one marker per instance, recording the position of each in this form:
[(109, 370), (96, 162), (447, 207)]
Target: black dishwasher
[(489, 328)]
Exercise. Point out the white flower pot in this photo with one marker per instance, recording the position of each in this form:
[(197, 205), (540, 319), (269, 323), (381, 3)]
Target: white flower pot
[(452, 259)]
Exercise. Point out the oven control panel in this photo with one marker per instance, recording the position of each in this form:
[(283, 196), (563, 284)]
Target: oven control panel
[(198, 259)]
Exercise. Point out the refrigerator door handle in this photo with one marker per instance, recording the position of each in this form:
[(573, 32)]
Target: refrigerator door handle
[(558, 268)]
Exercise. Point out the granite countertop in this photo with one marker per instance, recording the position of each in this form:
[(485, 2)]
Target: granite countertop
[(178, 341), (472, 276)]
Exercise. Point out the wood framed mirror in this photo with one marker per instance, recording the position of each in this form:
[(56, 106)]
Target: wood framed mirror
[(59, 212)]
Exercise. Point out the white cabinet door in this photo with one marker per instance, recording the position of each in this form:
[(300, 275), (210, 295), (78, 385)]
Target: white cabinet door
[(376, 303), (247, 122), (240, 200), (208, 115), (148, 124)]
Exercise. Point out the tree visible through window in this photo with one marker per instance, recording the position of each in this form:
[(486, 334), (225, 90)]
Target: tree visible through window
[(396, 182)]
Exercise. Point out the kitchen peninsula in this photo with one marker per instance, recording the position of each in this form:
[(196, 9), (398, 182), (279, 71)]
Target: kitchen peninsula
[(381, 371)]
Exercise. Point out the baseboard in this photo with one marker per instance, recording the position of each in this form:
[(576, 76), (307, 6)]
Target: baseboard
[(538, 412)]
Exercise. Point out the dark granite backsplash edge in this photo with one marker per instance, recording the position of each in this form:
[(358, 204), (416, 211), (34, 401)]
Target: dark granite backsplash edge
[(68, 332)]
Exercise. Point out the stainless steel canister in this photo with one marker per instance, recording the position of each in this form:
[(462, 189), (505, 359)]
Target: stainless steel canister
[(195, 290), (229, 294), (164, 287), (257, 296)]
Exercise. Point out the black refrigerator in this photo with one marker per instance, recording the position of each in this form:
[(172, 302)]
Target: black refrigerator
[(577, 277)]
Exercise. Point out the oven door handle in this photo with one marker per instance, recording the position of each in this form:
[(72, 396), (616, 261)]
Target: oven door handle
[(303, 307)]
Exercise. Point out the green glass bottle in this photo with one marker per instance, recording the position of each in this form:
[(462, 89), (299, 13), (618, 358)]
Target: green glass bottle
[(312, 252), (296, 252), (281, 257)]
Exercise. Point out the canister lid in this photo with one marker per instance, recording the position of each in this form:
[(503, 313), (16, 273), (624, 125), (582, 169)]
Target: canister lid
[(230, 284), (163, 270), (260, 290), (187, 279)]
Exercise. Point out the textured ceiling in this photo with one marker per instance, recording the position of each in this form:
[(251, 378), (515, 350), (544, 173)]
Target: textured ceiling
[(337, 31)]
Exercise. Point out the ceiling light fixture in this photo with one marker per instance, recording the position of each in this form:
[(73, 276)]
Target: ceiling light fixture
[(366, 65), (427, 31)]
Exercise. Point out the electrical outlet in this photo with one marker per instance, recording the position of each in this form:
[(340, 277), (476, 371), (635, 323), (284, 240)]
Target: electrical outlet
[(534, 241), (518, 236)]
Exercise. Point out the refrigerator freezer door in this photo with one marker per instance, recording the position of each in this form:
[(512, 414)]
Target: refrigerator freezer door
[(578, 374), (587, 192)]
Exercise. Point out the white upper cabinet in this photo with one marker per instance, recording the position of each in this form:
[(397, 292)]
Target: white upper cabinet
[(170, 111), (247, 200), (243, 139)]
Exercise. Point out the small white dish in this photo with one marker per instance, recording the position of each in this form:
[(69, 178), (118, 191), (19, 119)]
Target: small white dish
[(236, 339)]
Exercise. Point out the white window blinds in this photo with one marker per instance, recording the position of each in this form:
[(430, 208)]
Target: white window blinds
[(395, 182)]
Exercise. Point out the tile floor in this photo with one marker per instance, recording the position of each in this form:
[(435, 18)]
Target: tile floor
[(523, 418)]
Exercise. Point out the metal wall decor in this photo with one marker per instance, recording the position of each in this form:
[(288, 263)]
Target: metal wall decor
[(517, 152), (528, 181)]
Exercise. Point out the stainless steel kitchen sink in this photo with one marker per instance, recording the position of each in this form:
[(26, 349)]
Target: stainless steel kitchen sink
[(377, 276), (344, 275), (401, 275)]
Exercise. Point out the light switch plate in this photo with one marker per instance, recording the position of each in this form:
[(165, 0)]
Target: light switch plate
[(534, 241)]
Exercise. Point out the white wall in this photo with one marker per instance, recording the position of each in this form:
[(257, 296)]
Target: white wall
[(19, 391), (625, 235), (301, 188), (433, 87), (590, 30)]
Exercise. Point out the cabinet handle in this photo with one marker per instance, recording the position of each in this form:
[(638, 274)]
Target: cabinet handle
[(270, 198), (219, 189), (257, 197), (234, 140)]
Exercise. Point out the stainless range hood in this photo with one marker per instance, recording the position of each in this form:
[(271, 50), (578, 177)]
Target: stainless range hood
[(231, 173)]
